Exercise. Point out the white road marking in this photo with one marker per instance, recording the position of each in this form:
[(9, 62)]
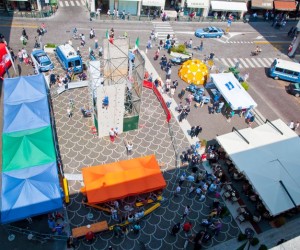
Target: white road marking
[(77, 3), (244, 63), (61, 4), (72, 3), (231, 62), (224, 62), (255, 62), (262, 62), (67, 4), (249, 62), (83, 2), (268, 63)]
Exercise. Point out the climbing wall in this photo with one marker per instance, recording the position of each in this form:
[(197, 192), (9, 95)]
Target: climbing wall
[(113, 116)]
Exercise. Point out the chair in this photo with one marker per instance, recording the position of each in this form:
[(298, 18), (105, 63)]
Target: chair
[(226, 195), (241, 209), (228, 187), (256, 218), (240, 218)]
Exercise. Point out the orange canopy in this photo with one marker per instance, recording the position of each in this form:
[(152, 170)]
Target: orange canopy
[(285, 5), (121, 179)]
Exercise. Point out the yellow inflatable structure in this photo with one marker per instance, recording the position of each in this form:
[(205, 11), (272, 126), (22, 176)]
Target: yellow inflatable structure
[(193, 71)]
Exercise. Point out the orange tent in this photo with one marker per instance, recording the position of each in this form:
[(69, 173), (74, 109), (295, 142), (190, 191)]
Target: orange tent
[(121, 179)]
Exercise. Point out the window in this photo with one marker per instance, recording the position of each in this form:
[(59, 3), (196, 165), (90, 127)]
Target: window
[(77, 63), (289, 72), (279, 70)]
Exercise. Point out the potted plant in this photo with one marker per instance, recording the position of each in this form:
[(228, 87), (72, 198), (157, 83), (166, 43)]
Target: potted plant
[(49, 47), (245, 85)]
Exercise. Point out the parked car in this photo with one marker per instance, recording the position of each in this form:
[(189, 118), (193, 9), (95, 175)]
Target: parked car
[(179, 60), (294, 89), (41, 60), (209, 32)]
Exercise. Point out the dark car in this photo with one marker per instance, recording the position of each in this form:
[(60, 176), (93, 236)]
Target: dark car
[(294, 89)]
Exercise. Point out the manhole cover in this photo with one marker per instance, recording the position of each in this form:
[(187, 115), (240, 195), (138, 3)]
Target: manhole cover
[(11, 237), (90, 216)]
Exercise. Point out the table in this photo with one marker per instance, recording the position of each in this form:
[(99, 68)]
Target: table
[(95, 228)]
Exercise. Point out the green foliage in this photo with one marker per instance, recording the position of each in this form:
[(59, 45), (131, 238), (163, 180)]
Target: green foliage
[(50, 45), (245, 85), (203, 143), (254, 242), (179, 49), (263, 247), (242, 237)]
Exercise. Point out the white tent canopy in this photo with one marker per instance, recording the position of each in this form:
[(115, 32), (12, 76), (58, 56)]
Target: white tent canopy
[(270, 162), (232, 91), (228, 6)]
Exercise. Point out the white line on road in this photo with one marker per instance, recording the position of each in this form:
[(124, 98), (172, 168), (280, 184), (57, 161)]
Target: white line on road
[(67, 4), (262, 62), (237, 61), (255, 62), (271, 59), (266, 59), (224, 62), (61, 4), (77, 2), (83, 2), (72, 3), (249, 62), (231, 62), (244, 63)]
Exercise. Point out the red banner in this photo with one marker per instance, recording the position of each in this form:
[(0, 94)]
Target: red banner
[(150, 85), (5, 62)]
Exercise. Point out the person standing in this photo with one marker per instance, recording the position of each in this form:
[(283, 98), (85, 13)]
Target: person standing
[(292, 125), (169, 71), (187, 227), (198, 130), (186, 212), (181, 94), (201, 45), (112, 135), (181, 179), (96, 43)]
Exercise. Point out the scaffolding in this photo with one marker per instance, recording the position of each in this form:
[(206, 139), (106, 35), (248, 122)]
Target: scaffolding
[(115, 84)]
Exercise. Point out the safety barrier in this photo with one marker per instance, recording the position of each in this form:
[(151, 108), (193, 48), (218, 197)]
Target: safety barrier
[(150, 85)]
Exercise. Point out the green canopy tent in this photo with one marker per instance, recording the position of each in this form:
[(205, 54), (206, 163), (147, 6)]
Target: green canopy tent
[(27, 148)]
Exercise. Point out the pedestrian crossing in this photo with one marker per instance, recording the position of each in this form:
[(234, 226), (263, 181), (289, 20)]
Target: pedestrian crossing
[(252, 62), (163, 29), (71, 3), (246, 42)]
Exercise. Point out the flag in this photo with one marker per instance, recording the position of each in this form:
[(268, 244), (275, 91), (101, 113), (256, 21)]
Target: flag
[(137, 43), (107, 34)]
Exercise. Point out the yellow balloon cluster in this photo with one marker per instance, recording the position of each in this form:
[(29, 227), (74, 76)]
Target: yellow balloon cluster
[(193, 71)]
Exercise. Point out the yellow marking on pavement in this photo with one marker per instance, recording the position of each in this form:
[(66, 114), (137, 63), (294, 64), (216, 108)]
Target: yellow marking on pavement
[(19, 25), (271, 42)]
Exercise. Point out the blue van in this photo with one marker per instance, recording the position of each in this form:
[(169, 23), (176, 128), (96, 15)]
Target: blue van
[(285, 70), (68, 58)]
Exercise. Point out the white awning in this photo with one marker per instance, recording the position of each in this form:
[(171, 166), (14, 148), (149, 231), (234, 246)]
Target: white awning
[(232, 91), (197, 3), (269, 158), (160, 3), (228, 6)]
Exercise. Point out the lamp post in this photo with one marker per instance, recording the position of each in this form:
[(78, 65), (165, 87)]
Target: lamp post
[(249, 234)]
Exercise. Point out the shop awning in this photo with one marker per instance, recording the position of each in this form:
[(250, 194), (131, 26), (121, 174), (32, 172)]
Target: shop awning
[(262, 4), (228, 6), (270, 160), (197, 3), (159, 3), (130, 0), (232, 91), (285, 5), (121, 179)]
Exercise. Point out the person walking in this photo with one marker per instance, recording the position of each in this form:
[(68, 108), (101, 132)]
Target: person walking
[(181, 179), (201, 45), (69, 111), (96, 43), (175, 229), (193, 131), (136, 228), (169, 71), (129, 147), (181, 94), (177, 191), (187, 227), (296, 125), (186, 212), (112, 135)]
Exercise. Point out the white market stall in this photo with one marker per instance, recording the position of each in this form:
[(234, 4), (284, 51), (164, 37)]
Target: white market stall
[(268, 156), (232, 91)]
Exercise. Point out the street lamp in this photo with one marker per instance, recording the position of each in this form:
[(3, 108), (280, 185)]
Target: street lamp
[(249, 234)]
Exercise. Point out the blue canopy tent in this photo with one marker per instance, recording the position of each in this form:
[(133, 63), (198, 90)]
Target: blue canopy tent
[(24, 89), (25, 116), (30, 191)]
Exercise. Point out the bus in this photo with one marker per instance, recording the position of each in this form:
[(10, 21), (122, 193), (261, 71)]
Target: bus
[(285, 70)]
